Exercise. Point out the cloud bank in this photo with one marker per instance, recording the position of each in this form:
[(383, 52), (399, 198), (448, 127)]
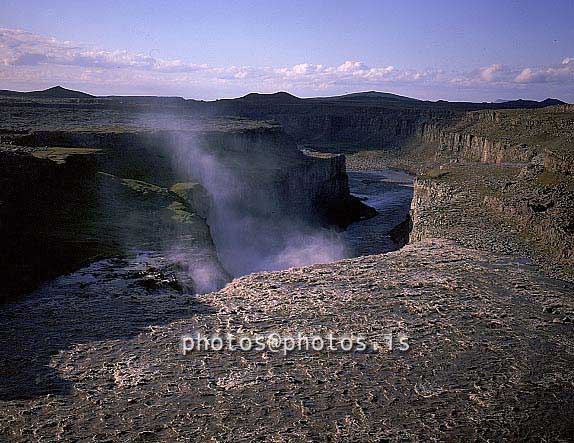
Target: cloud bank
[(30, 60)]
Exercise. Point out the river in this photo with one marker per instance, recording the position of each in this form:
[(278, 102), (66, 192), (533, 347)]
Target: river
[(390, 192)]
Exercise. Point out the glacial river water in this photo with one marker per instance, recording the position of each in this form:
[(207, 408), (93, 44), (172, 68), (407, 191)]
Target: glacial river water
[(390, 192)]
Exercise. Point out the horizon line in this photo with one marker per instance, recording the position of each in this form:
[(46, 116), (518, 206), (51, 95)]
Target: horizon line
[(279, 92)]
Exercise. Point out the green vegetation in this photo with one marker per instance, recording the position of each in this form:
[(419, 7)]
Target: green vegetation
[(181, 213), (145, 189), (553, 179), (185, 190), (59, 155), (433, 174), (547, 129)]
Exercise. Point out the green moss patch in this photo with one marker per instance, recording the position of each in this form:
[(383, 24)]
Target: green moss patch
[(59, 155)]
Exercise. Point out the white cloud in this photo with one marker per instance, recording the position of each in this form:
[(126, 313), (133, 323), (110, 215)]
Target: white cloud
[(489, 73), (27, 58), (563, 73), (352, 66), (21, 48)]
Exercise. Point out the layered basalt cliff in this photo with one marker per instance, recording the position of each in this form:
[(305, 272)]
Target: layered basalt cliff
[(351, 129), (471, 147), (271, 201), (80, 194), (59, 212), (499, 180), (508, 136), (35, 195), (369, 120), (521, 211), (265, 161)]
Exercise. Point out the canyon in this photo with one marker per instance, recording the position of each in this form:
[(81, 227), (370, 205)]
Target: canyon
[(482, 286), (71, 195)]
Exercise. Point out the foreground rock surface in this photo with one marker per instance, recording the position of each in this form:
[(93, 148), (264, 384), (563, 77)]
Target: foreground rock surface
[(490, 358)]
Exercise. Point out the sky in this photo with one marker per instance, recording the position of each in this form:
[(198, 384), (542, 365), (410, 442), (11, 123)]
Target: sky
[(443, 49)]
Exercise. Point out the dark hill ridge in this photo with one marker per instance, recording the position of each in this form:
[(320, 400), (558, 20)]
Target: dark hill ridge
[(531, 103), (547, 102), (367, 120), (54, 92), (369, 96), (276, 97), (282, 97), (374, 98)]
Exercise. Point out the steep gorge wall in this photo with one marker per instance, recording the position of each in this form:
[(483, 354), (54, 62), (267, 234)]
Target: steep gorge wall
[(266, 161), (488, 136), (76, 207), (349, 128), (504, 212), (41, 203), (544, 136), (471, 147)]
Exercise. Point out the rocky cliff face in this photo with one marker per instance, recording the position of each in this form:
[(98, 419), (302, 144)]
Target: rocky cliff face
[(267, 161), (271, 201), (352, 129), (521, 211), (82, 194), (356, 121), (545, 136), (512, 169), (35, 196), (471, 147), (59, 211), (489, 136)]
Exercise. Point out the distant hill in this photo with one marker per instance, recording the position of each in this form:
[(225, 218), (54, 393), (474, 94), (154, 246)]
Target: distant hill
[(59, 92), (55, 92), (369, 96), (275, 98), (146, 99), (257, 105), (368, 99), (530, 103)]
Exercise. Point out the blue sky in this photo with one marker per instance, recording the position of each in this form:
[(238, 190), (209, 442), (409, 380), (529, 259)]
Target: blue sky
[(454, 50)]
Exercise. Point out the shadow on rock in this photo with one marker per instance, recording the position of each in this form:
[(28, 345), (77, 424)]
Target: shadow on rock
[(109, 300)]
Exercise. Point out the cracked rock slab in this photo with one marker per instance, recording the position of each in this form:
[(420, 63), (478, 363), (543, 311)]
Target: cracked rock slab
[(490, 358)]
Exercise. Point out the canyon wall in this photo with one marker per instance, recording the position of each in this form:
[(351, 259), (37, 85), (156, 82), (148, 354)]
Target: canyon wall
[(513, 164), (35, 197), (272, 203), (59, 212), (69, 197), (351, 129), (472, 147), (501, 180), (521, 211), (265, 160), (544, 136)]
